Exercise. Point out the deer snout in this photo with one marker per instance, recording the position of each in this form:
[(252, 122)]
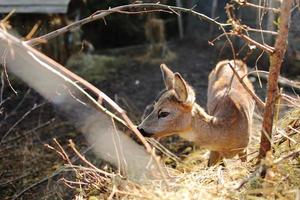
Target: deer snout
[(143, 132)]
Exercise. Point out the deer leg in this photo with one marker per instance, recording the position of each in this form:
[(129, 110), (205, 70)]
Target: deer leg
[(214, 158), (243, 155)]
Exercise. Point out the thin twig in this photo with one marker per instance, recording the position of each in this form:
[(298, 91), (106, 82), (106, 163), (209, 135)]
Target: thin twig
[(72, 145), (117, 151), (30, 131), (3, 62), (20, 120), (62, 151), (15, 179), (295, 154), (291, 100), (14, 111), (163, 149), (246, 3), (261, 31), (259, 102), (119, 143), (239, 30), (2, 87)]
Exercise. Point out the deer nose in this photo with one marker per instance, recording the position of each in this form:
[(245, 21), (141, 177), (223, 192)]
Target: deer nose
[(144, 133)]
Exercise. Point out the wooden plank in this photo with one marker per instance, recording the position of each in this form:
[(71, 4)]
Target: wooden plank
[(34, 9), (34, 2)]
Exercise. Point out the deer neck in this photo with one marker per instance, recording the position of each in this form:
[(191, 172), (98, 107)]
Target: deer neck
[(201, 131)]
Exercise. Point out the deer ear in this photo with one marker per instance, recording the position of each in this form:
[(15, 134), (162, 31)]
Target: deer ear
[(183, 91), (168, 76)]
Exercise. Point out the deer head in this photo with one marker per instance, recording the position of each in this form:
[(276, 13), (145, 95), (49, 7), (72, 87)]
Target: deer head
[(172, 113)]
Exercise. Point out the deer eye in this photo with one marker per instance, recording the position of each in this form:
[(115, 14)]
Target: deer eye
[(163, 114)]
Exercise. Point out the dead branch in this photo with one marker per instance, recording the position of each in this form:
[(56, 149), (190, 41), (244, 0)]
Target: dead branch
[(276, 59), (281, 80), (125, 9), (241, 30)]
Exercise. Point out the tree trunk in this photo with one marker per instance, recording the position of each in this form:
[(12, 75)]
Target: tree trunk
[(276, 59)]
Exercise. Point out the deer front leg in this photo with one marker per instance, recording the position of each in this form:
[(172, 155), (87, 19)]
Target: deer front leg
[(214, 158)]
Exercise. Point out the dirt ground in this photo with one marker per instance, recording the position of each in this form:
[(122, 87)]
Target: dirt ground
[(29, 170)]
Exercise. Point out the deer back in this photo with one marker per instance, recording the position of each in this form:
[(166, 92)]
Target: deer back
[(227, 97)]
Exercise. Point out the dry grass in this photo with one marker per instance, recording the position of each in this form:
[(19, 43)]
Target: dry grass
[(277, 177)]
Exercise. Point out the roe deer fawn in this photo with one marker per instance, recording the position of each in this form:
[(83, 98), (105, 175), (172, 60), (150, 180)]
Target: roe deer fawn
[(224, 130)]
